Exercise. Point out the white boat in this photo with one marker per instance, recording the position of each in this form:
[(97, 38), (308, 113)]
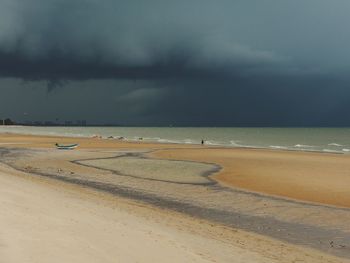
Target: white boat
[(66, 147)]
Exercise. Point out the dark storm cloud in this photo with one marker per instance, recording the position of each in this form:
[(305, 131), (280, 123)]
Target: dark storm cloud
[(121, 39), (216, 62), (79, 39)]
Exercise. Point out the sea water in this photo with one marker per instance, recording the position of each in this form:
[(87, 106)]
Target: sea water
[(335, 140)]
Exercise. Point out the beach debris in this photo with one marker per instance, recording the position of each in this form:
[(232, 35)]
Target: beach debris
[(333, 245), (29, 168)]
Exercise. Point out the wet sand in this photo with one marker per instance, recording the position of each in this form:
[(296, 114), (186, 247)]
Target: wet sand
[(136, 171)]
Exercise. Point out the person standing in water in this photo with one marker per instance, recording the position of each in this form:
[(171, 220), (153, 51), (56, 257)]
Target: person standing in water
[(202, 141)]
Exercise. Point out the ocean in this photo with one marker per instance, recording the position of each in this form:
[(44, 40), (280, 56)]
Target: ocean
[(336, 140)]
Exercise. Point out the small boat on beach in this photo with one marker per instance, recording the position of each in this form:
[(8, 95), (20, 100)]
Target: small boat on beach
[(66, 147)]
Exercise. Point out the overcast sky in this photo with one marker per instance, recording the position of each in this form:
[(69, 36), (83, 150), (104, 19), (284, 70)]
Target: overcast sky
[(184, 62)]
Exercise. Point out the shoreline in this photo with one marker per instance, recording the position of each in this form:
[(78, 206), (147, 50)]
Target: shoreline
[(171, 142)]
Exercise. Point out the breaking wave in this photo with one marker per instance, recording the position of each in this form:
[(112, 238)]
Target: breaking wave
[(335, 144), (278, 147), (303, 146)]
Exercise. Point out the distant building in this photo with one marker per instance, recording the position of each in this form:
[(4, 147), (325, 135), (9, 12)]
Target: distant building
[(6, 122)]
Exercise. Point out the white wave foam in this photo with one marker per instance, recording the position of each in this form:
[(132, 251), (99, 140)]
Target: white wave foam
[(211, 143), (335, 144), (189, 141), (330, 151), (346, 150), (168, 141), (151, 139), (303, 146), (278, 147), (236, 143)]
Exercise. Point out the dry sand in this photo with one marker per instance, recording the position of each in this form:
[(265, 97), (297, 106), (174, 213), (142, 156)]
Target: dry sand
[(46, 221)]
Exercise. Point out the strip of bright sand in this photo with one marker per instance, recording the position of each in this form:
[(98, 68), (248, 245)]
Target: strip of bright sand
[(43, 220)]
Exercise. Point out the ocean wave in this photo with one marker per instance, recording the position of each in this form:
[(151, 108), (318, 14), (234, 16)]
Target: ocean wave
[(303, 146), (346, 150), (278, 147), (330, 151), (236, 143), (168, 141), (151, 138), (211, 143), (189, 141), (335, 144)]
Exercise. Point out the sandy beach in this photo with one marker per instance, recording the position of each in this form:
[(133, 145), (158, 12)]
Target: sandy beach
[(174, 203), (315, 177)]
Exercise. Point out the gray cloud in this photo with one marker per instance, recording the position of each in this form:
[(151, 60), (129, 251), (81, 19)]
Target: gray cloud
[(70, 39), (205, 62)]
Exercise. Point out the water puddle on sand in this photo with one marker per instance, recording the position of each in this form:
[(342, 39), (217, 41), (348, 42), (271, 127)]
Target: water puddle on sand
[(182, 172)]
